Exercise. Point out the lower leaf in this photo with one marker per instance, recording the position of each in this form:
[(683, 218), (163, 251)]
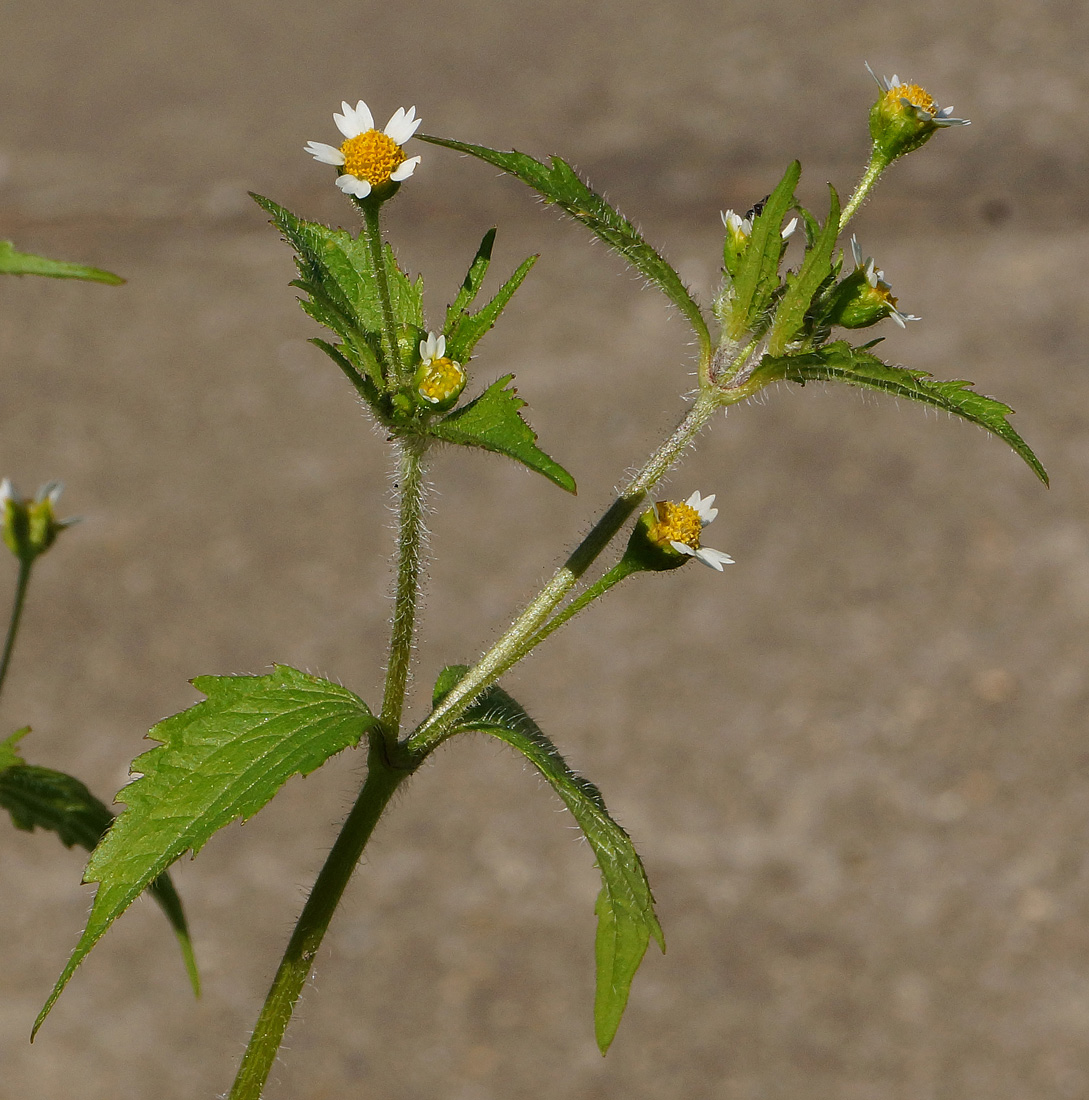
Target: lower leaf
[(46, 799), (625, 906), (218, 761)]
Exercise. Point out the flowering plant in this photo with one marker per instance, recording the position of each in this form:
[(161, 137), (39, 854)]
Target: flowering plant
[(784, 312)]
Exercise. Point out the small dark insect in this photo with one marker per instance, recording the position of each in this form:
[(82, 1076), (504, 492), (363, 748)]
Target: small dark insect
[(757, 208)]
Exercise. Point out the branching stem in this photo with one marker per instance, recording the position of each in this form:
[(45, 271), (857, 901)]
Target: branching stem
[(511, 647)]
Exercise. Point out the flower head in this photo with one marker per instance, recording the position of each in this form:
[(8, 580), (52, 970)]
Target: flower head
[(668, 534), (370, 160), (29, 525), (864, 298), (905, 116), (439, 380)]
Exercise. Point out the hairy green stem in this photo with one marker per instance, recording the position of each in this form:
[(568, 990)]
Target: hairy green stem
[(865, 185), (622, 569), (510, 647), (410, 536), (382, 780), (21, 586), (372, 230)]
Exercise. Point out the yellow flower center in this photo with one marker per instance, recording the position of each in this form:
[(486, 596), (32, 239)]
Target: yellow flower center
[(916, 96), (372, 156), (676, 523), (443, 378)]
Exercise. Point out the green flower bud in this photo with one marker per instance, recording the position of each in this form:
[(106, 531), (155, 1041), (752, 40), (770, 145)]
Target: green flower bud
[(863, 298), (439, 381), (904, 117), (668, 535), (738, 232), (29, 525)]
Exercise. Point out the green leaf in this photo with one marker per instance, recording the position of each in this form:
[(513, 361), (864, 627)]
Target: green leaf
[(338, 272), (558, 183), (839, 362), (365, 387), (800, 288), (9, 754), (26, 263), (492, 421), (757, 278), (468, 328), (473, 280), (218, 761), (42, 798), (625, 906)]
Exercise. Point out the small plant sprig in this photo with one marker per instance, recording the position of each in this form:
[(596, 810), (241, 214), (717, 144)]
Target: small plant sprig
[(226, 757), (36, 797)]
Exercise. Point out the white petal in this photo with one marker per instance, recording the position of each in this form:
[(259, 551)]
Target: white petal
[(440, 347), (327, 154), (716, 559), (355, 120), (703, 507), (683, 548), (402, 125), (350, 185), (791, 226), (404, 169), (429, 347), (856, 251), (7, 491)]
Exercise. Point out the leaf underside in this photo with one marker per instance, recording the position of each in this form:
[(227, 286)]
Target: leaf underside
[(219, 761), (558, 183), (839, 362), (625, 906)]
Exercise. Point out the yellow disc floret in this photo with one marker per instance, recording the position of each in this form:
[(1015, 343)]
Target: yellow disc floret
[(372, 156), (675, 523), (916, 96), (443, 379)]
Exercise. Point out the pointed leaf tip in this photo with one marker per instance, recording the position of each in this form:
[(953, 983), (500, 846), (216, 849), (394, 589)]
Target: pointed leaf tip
[(558, 183), (493, 422), (218, 761), (625, 907)]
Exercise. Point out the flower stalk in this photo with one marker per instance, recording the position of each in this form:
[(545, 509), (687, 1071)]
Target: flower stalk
[(372, 230), (26, 565)]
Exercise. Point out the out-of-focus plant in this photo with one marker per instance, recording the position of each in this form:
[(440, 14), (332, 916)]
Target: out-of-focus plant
[(34, 796)]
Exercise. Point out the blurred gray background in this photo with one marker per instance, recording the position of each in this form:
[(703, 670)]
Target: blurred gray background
[(856, 763)]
